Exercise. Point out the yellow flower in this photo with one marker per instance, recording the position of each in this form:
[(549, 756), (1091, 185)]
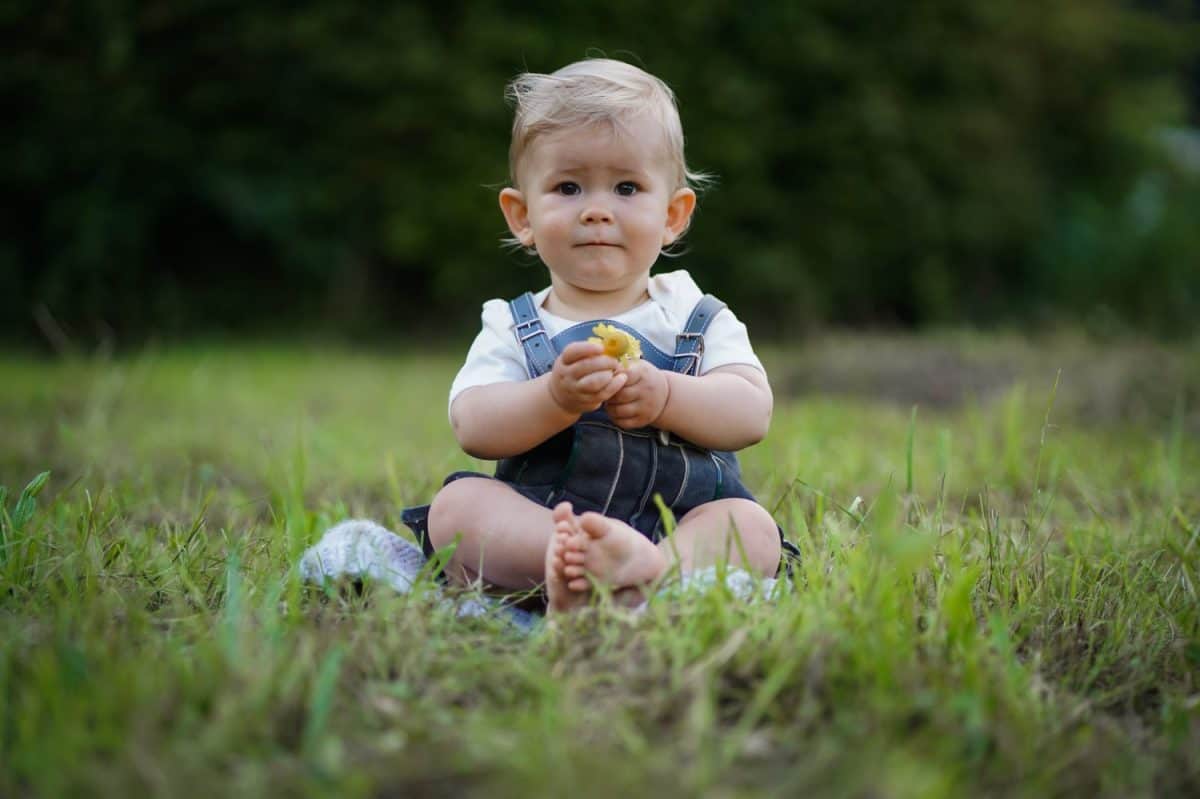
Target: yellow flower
[(617, 343)]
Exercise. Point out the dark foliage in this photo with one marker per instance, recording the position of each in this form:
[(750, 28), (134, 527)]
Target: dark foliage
[(208, 165)]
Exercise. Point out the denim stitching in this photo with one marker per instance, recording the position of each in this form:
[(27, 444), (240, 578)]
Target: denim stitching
[(686, 473), (649, 490), (617, 475)]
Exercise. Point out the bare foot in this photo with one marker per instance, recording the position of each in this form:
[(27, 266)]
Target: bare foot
[(559, 598), (613, 554)]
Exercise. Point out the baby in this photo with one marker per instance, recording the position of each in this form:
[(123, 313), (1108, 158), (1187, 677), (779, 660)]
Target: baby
[(585, 442)]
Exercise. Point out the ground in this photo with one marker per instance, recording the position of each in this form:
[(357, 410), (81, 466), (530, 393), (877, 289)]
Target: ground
[(998, 592)]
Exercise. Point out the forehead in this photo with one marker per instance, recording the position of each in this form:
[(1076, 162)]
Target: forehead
[(636, 144)]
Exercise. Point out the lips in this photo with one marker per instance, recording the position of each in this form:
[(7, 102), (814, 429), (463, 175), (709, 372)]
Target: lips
[(597, 244)]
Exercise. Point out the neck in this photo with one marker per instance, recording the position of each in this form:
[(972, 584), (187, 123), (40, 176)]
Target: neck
[(580, 304)]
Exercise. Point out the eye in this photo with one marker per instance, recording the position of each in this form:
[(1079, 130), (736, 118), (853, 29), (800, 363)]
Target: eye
[(627, 188), (567, 188)]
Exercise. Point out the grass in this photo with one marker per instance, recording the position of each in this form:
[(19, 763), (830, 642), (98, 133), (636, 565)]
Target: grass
[(995, 598)]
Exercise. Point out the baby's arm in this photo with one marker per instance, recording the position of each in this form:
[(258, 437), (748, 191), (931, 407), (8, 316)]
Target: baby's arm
[(500, 420), (728, 408)]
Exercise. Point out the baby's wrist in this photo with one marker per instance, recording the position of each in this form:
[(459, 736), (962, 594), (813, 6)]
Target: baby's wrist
[(662, 411)]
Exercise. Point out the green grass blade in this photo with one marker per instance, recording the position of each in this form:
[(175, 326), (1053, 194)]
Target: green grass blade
[(908, 451), (27, 502), (321, 699)]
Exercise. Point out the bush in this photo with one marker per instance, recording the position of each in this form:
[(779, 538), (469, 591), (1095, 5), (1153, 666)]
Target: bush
[(230, 166)]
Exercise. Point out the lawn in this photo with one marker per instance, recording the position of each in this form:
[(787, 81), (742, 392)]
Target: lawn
[(998, 594)]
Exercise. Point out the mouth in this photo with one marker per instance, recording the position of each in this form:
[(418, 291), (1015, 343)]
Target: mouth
[(597, 244)]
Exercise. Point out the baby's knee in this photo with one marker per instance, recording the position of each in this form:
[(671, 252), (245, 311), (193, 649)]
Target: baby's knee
[(450, 511), (750, 518), (757, 536)]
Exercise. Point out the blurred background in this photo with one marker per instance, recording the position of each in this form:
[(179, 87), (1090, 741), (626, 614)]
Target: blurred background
[(210, 168)]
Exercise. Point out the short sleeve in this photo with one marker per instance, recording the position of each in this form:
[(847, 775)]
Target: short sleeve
[(727, 342), (495, 356)]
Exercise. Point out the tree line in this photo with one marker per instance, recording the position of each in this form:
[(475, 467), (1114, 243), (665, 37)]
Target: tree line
[(206, 165)]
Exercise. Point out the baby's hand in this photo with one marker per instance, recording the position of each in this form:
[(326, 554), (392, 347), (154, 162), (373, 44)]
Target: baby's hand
[(584, 377), (643, 398)]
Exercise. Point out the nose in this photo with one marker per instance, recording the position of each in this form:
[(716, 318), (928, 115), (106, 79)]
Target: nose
[(595, 214)]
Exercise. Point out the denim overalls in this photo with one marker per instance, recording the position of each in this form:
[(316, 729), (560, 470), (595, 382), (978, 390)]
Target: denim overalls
[(597, 466)]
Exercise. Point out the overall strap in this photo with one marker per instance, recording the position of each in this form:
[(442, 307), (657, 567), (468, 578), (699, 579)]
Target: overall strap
[(689, 345), (539, 354)]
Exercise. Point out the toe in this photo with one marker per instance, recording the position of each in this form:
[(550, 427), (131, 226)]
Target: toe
[(562, 513), (580, 584), (595, 525)]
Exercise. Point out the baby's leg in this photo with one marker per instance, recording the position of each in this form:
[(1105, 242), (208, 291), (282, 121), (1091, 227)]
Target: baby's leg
[(739, 532), (503, 535), (611, 553), (608, 552)]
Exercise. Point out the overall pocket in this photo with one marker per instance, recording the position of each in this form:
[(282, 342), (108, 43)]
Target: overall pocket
[(608, 469)]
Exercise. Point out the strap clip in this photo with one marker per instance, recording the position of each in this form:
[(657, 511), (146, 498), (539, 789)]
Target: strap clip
[(535, 326)]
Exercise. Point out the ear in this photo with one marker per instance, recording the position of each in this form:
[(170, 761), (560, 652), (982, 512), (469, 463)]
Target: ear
[(679, 215), (516, 214)]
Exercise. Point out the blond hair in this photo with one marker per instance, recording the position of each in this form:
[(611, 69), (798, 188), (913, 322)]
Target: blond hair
[(595, 90)]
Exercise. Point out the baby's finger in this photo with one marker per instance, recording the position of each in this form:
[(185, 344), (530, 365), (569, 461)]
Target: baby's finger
[(625, 410), (597, 363), (625, 396), (635, 372), (618, 416), (601, 364), (596, 381), (628, 422), (579, 351), (615, 385)]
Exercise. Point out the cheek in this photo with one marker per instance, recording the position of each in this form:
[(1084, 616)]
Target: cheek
[(651, 228), (555, 227), (558, 213), (652, 217), (549, 221)]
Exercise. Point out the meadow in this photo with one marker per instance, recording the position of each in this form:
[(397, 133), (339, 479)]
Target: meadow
[(998, 594)]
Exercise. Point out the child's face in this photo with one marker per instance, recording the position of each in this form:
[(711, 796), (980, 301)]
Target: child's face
[(598, 203)]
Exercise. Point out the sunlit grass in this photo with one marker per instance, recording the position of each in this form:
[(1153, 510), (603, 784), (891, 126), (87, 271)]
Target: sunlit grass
[(1024, 620)]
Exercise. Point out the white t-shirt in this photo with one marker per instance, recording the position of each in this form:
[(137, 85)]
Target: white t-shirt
[(496, 356)]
